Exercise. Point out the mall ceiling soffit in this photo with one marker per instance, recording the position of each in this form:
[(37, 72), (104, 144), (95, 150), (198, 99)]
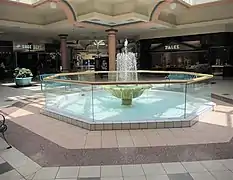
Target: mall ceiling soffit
[(112, 21), (126, 19), (222, 23), (205, 14), (72, 17), (19, 25)]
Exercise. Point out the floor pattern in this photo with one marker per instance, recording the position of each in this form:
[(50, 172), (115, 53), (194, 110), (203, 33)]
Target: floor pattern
[(4, 166), (34, 87), (25, 123), (16, 166), (43, 149)]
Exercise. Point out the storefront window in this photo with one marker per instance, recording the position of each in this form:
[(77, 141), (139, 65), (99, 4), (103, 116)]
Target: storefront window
[(178, 60), (7, 62)]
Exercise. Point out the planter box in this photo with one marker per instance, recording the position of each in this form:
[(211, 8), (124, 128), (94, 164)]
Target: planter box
[(23, 81)]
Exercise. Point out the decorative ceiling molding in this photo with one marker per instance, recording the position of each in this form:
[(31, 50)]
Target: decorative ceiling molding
[(63, 4), (158, 8), (68, 9), (215, 3), (130, 21)]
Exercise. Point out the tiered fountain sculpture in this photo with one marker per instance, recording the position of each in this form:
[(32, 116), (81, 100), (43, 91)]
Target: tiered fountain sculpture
[(127, 72)]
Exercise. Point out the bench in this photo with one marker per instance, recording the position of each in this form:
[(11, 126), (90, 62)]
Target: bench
[(52, 84), (3, 129), (41, 77), (180, 76)]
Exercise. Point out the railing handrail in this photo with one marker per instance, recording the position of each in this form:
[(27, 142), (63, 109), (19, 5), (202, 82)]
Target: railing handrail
[(199, 77)]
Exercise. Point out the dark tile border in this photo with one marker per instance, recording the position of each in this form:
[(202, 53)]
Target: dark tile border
[(5, 167), (180, 176), (47, 153)]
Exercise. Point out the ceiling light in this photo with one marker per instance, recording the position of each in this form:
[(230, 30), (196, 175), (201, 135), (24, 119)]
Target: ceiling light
[(53, 5), (173, 6)]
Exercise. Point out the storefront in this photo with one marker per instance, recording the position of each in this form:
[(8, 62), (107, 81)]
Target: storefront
[(188, 52), (177, 56), (51, 59), (27, 55), (7, 63)]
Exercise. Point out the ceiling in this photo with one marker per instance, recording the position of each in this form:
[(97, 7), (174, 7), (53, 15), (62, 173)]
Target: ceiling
[(44, 20)]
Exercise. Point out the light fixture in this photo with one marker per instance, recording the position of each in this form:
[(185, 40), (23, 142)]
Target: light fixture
[(53, 5), (173, 6)]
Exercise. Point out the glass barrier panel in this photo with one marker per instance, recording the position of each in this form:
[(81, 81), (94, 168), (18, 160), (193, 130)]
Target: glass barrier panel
[(171, 104), (198, 98), (69, 99), (138, 102), (152, 76)]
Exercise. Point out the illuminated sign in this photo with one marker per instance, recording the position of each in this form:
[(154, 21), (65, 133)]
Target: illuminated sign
[(29, 46), (172, 47)]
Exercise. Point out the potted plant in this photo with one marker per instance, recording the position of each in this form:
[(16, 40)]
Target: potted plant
[(23, 77)]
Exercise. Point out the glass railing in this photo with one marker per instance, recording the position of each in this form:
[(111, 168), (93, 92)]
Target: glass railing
[(98, 98)]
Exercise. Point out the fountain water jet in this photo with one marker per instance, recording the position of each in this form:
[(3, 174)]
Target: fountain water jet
[(126, 72), (126, 65)]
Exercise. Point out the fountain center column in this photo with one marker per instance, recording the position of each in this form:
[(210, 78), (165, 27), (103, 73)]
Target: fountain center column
[(112, 48)]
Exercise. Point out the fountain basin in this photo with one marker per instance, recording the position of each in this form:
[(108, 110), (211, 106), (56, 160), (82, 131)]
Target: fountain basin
[(127, 93), (157, 103)]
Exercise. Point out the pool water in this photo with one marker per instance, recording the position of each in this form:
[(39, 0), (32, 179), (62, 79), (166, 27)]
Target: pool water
[(101, 106)]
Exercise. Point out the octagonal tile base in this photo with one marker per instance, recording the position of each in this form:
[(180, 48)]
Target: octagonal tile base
[(151, 124)]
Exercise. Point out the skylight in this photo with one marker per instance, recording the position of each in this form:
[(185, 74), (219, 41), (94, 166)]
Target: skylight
[(26, 1), (197, 2)]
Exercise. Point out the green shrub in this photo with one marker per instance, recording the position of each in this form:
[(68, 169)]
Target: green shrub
[(22, 73)]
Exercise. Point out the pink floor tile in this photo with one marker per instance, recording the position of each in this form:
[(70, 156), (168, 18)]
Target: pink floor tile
[(124, 139)]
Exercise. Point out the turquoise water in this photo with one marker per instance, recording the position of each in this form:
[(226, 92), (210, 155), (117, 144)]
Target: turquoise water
[(100, 106)]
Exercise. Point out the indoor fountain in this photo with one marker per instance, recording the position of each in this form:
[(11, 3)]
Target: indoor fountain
[(127, 72), (157, 101)]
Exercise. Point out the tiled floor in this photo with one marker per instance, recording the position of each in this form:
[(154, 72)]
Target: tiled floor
[(25, 169), (210, 139), (214, 127), (47, 149), (36, 86)]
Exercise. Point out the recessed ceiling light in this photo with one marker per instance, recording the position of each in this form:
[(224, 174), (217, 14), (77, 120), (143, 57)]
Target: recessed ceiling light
[(95, 20)]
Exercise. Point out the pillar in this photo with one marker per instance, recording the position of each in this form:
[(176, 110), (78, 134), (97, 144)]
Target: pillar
[(63, 50), (112, 48)]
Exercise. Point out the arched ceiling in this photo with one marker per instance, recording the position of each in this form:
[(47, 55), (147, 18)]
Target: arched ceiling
[(83, 18)]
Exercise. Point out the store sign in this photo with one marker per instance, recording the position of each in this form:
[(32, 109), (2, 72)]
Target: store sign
[(24, 46), (34, 47), (172, 47)]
